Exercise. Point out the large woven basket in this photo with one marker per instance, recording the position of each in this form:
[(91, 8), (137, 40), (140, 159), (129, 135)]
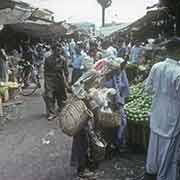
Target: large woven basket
[(109, 120), (73, 116)]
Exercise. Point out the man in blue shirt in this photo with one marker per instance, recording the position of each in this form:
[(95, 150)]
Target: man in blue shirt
[(137, 53), (76, 64), (164, 84)]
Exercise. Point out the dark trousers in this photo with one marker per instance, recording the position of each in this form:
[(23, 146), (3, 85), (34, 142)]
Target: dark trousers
[(54, 92), (76, 74), (79, 155)]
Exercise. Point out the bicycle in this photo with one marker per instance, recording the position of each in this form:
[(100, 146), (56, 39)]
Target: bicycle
[(28, 78)]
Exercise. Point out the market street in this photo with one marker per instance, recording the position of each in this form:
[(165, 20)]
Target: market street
[(89, 90), (34, 149)]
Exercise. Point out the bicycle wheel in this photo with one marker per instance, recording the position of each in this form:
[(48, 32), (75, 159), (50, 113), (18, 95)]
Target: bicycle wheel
[(28, 91), (30, 86)]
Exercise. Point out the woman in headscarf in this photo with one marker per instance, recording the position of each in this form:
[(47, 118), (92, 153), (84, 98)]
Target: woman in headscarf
[(119, 81)]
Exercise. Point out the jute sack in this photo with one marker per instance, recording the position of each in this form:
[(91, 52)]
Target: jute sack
[(73, 116)]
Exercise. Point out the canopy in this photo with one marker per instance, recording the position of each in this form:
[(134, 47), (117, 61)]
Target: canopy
[(39, 29)]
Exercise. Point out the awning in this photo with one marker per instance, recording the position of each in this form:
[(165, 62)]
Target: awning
[(143, 23), (14, 11), (39, 29)]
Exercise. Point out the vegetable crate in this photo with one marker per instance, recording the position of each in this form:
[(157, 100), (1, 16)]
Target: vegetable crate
[(138, 134)]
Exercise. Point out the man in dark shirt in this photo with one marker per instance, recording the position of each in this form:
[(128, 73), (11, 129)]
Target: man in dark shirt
[(56, 75)]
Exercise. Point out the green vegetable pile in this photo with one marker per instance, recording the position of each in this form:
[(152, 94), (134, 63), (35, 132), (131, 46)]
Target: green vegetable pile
[(138, 105)]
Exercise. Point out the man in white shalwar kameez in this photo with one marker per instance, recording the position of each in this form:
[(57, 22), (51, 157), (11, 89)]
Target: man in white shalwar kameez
[(164, 84)]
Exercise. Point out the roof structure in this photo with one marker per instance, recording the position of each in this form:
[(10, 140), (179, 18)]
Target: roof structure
[(15, 11), (12, 12), (110, 29), (39, 29), (144, 24), (21, 17)]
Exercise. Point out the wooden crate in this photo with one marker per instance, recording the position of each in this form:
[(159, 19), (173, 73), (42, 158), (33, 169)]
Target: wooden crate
[(138, 134)]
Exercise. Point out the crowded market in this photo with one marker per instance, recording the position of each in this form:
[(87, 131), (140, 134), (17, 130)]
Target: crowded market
[(114, 96)]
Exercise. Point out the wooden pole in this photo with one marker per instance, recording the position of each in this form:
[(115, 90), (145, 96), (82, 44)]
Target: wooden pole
[(103, 16)]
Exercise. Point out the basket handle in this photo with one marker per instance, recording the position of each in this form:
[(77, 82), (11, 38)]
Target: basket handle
[(90, 113)]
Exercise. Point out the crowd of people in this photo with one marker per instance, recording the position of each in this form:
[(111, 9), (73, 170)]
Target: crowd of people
[(65, 61)]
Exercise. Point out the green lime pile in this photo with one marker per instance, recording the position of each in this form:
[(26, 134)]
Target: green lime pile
[(136, 91), (138, 105)]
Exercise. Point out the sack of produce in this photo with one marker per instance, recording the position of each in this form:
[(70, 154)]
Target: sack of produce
[(87, 81), (109, 120), (3, 90), (73, 116)]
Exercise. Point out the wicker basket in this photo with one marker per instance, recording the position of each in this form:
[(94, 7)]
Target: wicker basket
[(109, 120), (73, 116)]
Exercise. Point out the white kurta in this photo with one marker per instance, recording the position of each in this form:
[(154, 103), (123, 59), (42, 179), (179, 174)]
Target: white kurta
[(164, 83)]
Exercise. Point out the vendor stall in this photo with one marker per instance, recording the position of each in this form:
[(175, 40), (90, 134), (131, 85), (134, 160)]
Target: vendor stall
[(138, 111)]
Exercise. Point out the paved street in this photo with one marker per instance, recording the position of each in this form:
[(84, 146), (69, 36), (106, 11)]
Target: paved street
[(34, 149)]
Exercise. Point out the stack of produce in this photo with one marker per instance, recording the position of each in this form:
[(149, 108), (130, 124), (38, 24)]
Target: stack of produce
[(137, 109), (8, 90), (139, 104)]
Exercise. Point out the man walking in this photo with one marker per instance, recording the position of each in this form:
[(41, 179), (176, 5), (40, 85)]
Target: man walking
[(56, 73), (164, 83), (137, 53)]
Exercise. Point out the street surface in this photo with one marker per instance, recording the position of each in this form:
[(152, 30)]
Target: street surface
[(34, 149)]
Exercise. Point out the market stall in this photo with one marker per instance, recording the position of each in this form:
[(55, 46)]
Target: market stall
[(138, 111)]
